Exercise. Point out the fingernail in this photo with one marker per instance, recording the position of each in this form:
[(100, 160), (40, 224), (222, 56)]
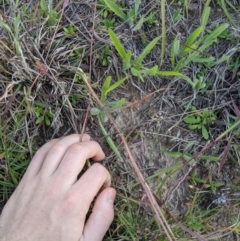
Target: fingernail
[(111, 195)]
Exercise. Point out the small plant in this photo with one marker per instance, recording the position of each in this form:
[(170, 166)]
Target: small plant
[(104, 56), (70, 30), (47, 11), (43, 115), (135, 66), (131, 18), (110, 106), (199, 120)]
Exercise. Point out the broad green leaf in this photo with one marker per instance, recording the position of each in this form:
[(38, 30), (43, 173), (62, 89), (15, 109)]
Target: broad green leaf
[(136, 8), (205, 132), (120, 103), (189, 145), (222, 59), (195, 34), (126, 61), (205, 16), (152, 71), (193, 127), (177, 15), (209, 59), (39, 120), (173, 73), (176, 154), (119, 47), (139, 24), (103, 116), (114, 7), (109, 140), (216, 32), (105, 88), (174, 50), (117, 84), (189, 49), (224, 7), (94, 111), (146, 51), (47, 121), (6, 27), (192, 119), (210, 158), (44, 7), (137, 73)]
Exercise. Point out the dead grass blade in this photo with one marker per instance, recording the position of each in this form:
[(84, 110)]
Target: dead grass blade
[(236, 110), (225, 154)]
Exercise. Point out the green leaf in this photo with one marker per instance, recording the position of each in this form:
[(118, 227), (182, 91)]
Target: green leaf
[(137, 73), (224, 7), (103, 116), (174, 50), (109, 140), (205, 16), (205, 132), (94, 111), (215, 33), (116, 85), (193, 127), (119, 47), (44, 7), (120, 103), (192, 119), (222, 59), (177, 74), (139, 24), (126, 61), (136, 8), (114, 7), (189, 44), (47, 121), (176, 154), (105, 88), (40, 119), (146, 51), (152, 71)]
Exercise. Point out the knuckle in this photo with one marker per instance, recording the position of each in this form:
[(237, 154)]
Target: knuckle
[(57, 148), (77, 148), (69, 202), (100, 170), (85, 137)]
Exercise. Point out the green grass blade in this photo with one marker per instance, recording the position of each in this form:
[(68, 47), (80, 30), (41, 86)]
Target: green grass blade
[(163, 2), (105, 88), (224, 7), (126, 61), (177, 74), (174, 50), (116, 85), (195, 34), (109, 140), (215, 33), (146, 51), (136, 8), (114, 7), (205, 16), (117, 44)]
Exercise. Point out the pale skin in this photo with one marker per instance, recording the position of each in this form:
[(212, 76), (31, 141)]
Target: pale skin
[(51, 204)]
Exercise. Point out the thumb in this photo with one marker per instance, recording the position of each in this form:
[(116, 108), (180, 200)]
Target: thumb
[(101, 217)]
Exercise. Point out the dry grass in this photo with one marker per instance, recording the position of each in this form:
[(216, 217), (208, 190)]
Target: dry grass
[(42, 96)]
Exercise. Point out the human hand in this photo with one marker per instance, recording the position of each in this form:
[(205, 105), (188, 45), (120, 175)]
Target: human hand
[(50, 204)]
